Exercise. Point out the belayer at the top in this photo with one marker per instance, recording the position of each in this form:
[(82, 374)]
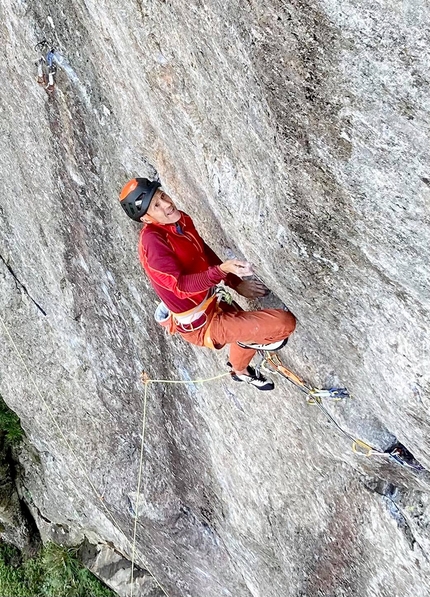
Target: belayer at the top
[(184, 272)]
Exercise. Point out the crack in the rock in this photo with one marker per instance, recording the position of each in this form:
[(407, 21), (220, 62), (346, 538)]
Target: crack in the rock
[(390, 495), (40, 515), (404, 524), (21, 285), (29, 503)]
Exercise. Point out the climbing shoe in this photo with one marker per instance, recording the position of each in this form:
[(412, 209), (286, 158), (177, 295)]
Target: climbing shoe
[(272, 347), (254, 379)]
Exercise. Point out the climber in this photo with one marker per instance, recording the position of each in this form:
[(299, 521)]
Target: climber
[(184, 272), (46, 66)]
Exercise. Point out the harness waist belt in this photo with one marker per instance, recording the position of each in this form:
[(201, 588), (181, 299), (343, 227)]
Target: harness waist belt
[(193, 314)]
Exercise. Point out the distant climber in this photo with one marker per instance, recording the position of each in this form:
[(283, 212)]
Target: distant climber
[(184, 272)]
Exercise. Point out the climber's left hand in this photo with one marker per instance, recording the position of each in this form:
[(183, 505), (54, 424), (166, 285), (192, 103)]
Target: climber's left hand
[(252, 289)]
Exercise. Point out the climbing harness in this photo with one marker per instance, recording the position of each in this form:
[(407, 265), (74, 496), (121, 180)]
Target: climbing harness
[(46, 65), (270, 361), (195, 318)]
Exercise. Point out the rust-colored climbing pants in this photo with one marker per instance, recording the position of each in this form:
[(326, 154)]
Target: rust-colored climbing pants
[(229, 325)]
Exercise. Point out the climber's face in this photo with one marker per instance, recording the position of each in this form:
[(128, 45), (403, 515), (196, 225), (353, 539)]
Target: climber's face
[(163, 209)]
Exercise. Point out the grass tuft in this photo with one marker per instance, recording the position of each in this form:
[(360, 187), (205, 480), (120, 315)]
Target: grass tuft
[(10, 426), (55, 571)]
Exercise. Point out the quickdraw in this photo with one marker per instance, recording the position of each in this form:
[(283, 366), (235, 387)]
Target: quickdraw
[(270, 362)]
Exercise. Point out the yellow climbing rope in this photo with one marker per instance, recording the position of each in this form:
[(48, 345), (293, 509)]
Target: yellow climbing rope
[(81, 466), (146, 381)]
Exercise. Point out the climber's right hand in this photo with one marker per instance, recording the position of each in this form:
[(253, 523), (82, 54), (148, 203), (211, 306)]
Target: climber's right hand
[(236, 267)]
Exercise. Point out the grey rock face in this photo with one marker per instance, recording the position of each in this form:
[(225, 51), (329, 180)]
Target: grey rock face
[(296, 135)]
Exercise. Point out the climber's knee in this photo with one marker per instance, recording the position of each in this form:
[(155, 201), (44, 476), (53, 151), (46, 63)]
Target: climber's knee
[(288, 322)]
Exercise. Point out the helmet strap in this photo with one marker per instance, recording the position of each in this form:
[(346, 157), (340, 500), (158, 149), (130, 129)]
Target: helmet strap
[(147, 219)]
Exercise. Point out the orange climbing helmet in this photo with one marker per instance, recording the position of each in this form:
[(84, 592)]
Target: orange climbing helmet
[(136, 196)]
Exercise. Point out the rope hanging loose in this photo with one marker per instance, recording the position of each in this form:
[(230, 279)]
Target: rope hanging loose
[(274, 364), (79, 462), (146, 380)]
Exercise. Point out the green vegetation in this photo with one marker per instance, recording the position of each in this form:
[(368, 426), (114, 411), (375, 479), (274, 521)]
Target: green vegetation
[(54, 572), (10, 427)]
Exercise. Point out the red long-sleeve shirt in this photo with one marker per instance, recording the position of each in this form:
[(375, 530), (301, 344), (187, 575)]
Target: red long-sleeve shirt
[(180, 265)]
